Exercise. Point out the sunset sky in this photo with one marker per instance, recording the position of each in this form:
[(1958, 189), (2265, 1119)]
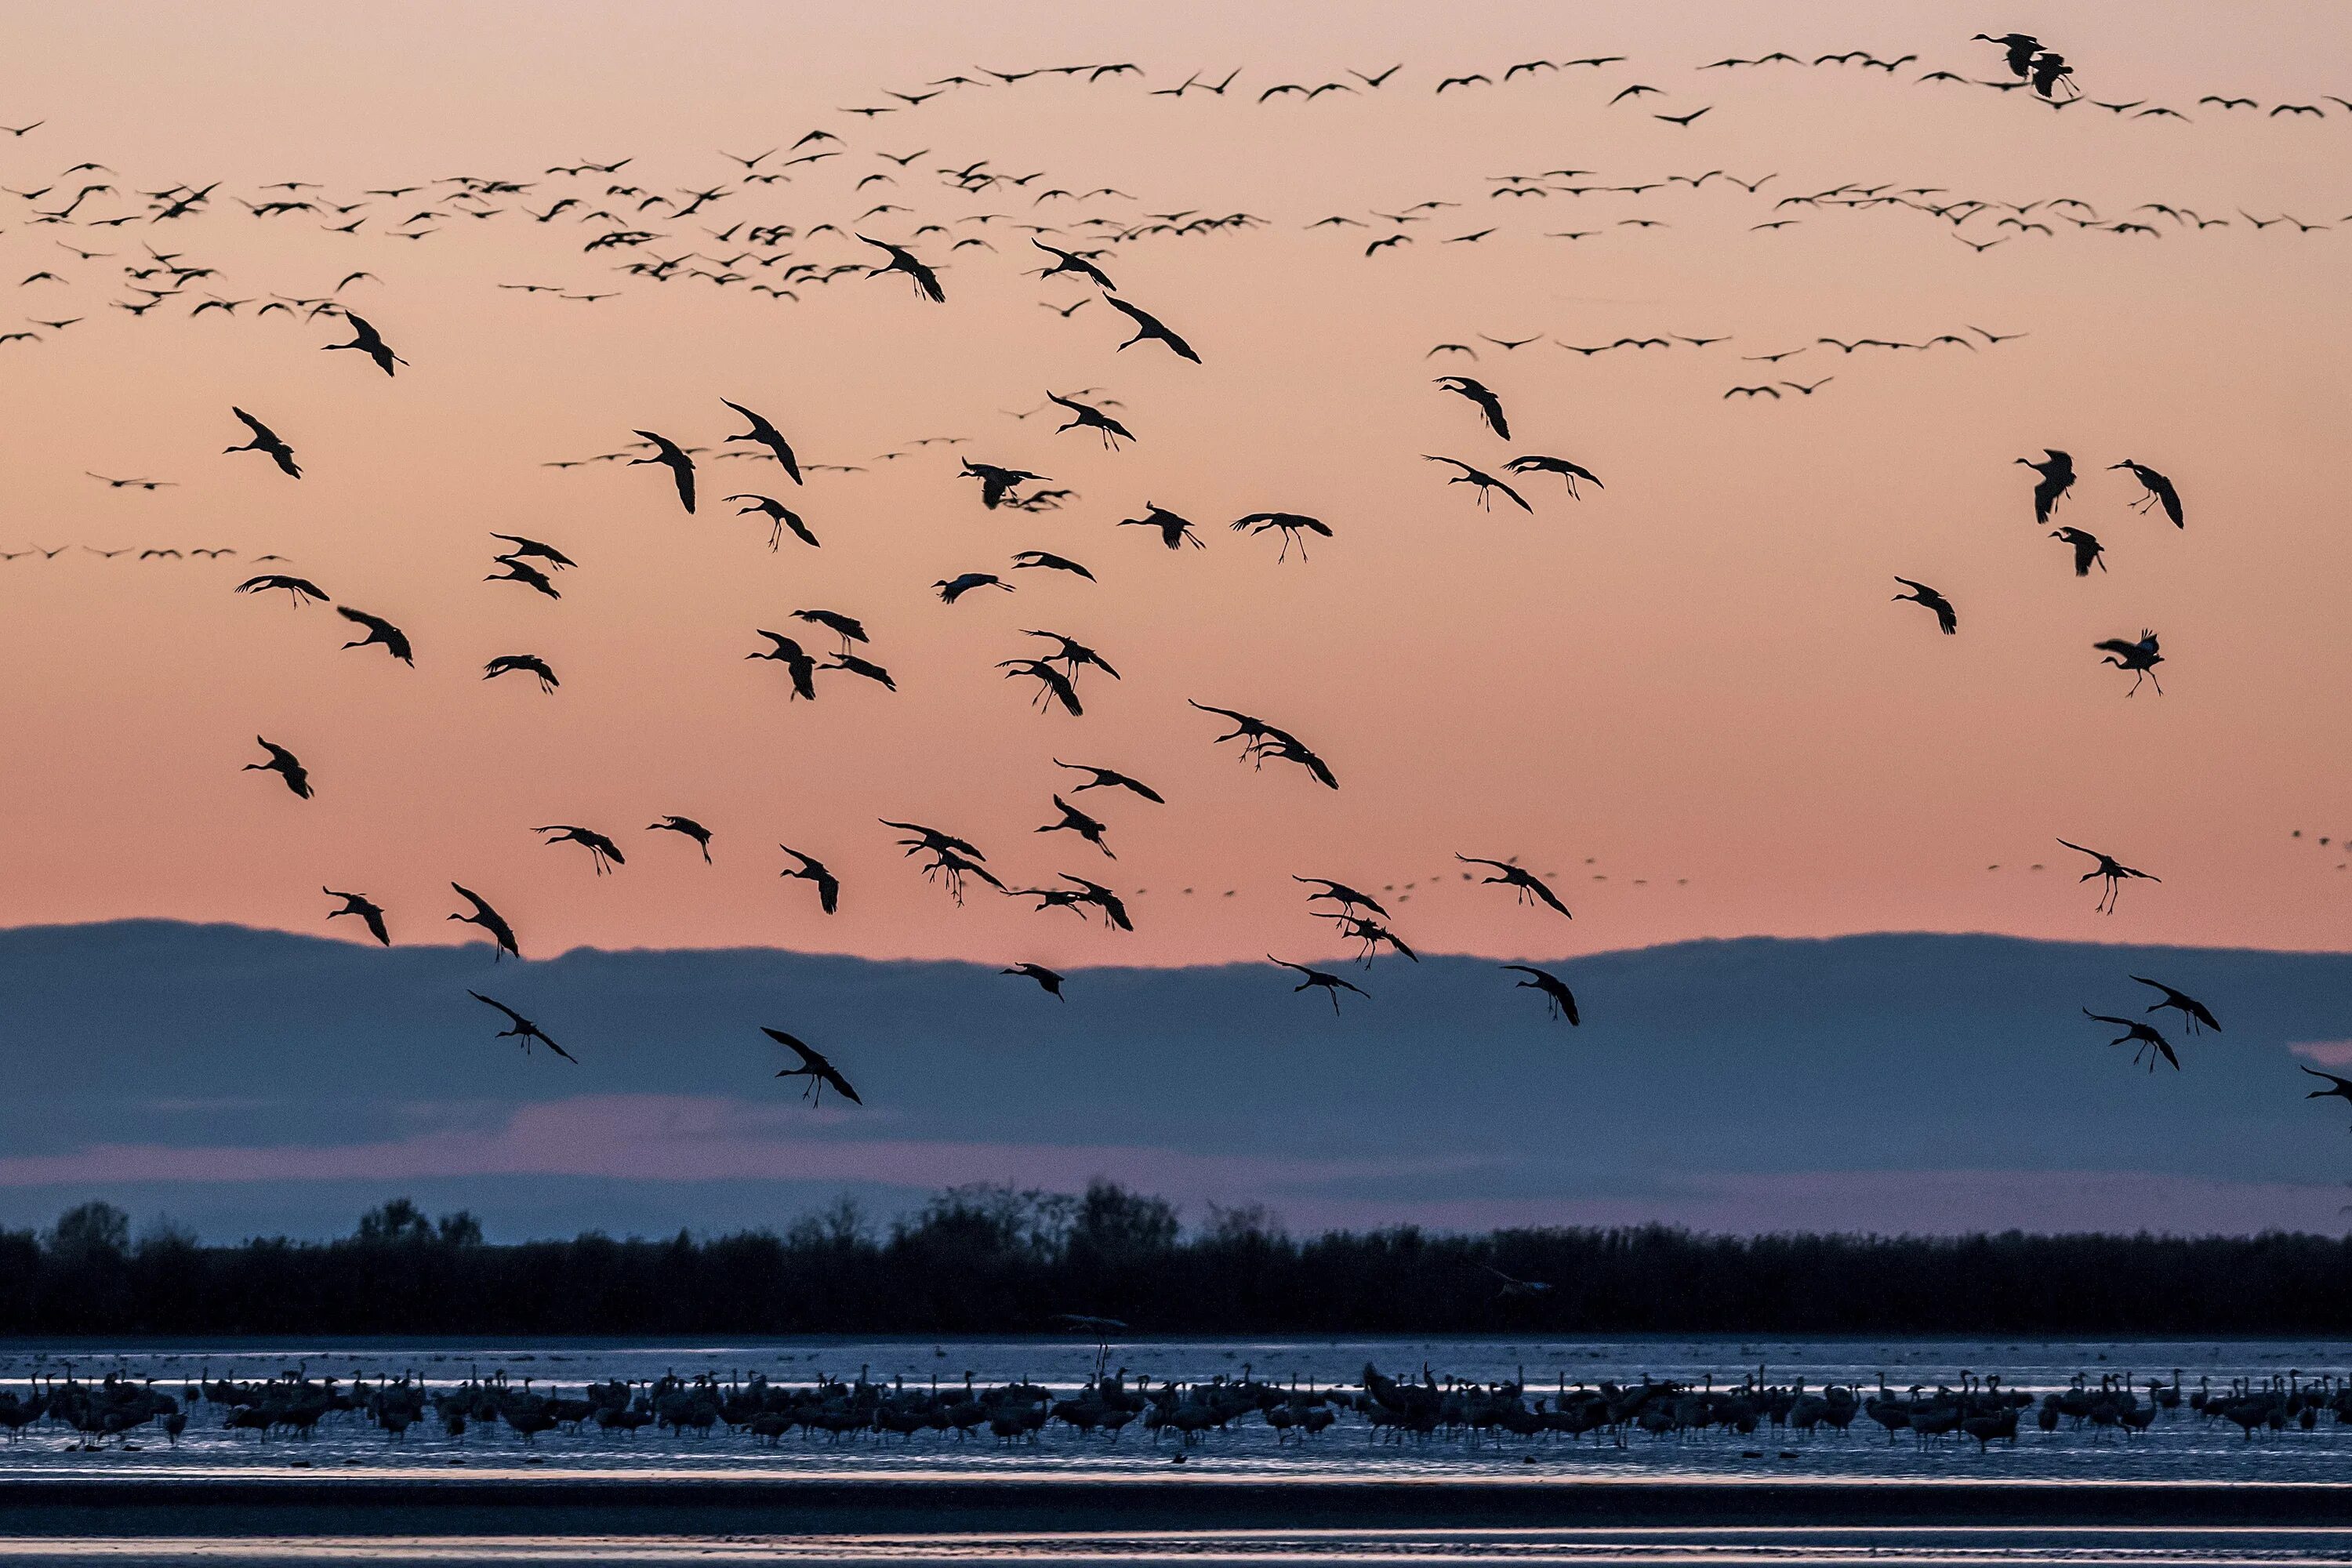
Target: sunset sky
[(1686, 695)]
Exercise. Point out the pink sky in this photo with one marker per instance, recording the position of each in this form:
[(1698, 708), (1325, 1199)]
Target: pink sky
[(1691, 684)]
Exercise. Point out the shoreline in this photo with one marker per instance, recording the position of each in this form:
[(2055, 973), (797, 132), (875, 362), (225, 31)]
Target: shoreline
[(357, 1506)]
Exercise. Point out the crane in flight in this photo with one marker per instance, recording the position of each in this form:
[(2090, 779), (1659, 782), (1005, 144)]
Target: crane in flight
[(2057, 476), (1486, 482), (2193, 1013), (2145, 1037), (815, 1067), (1330, 985), (1530, 887), (285, 764), (521, 1029), (266, 440), (673, 458), (1051, 981), (1111, 778), (370, 912), (1490, 406), (1349, 900), (2159, 491), (811, 869), (1947, 618), (684, 827), (602, 853), (489, 920), (1559, 1002), (2114, 872), (2140, 657)]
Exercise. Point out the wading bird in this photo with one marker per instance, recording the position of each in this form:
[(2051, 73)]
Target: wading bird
[(1490, 407), (380, 631), (673, 458), (521, 664), (2057, 471), (2193, 1013), (602, 853), (2160, 489), (369, 342), (763, 434), (1174, 531), (1111, 778), (266, 440), (1536, 463), (811, 869), (1051, 981), (2087, 547), (1486, 483), (2140, 657)]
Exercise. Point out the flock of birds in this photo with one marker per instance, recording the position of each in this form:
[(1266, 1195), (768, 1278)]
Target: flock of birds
[(109, 1412), (828, 649)]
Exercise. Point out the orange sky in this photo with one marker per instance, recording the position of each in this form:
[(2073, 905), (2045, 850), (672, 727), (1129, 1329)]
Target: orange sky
[(1692, 683)]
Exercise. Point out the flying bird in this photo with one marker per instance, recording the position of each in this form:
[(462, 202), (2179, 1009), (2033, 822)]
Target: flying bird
[(521, 1029), (380, 631), (2145, 1037), (2193, 1013), (1175, 532), (369, 342), (490, 920), (951, 589), (1488, 405), (2159, 490), (2057, 471), (1920, 593), (811, 869), (765, 435), (684, 827), (2087, 547), (285, 764), (267, 440), (1536, 463), (1486, 482), (2113, 873), (1290, 524), (367, 909), (926, 281), (2140, 657), (673, 458), (1149, 326), (297, 589), (1559, 1002), (602, 853), (815, 1067), (1111, 778), (1045, 977), (521, 664), (780, 518), (1530, 887), (1330, 985)]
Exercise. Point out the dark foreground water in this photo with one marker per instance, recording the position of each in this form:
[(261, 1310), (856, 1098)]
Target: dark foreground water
[(1970, 1523)]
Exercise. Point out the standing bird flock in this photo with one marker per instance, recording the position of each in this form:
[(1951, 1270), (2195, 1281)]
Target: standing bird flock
[(633, 229)]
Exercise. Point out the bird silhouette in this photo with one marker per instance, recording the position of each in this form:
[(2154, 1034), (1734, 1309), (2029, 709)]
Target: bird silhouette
[(1052, 686), (1150, 327), (847, 628), (1074, 262), (2086, 548), (780, 518), (2140, 657), (285, 764), (1349, 899), (684, 827), (267, 440), (2113, 873), (1111, 778), (521, 1029), (2194, 1014), (297, 589), (526, 548), (1330, 985), (815, 1067), (2145, 1037), (500, 933), (2160, 491), (380, 632), (1559, 1002), (1486, 482), (369, 911), (520, 571), (2057, 471), (602, 853), (766, 435), (1073, 820), (951, 589), (926, 281), (2338, 1088), (1920, 593), (1175, 532), (1536, 463), (1087, 415), (811, 869), (673, 458), (1045, 977), (2018, 47), (521, 664), (1529, 886), (997, 485), (1290, 524), (1489, 405), (787, 651), (369, 342)]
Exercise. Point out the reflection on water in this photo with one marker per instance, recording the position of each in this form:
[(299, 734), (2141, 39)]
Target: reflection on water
[(1813, 1548), (2179, 1446)]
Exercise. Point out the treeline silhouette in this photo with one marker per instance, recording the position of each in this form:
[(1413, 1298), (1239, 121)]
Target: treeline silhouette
[(993, 1260)]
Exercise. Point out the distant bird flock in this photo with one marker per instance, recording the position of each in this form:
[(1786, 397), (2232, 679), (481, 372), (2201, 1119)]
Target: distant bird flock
[(109, 243)]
